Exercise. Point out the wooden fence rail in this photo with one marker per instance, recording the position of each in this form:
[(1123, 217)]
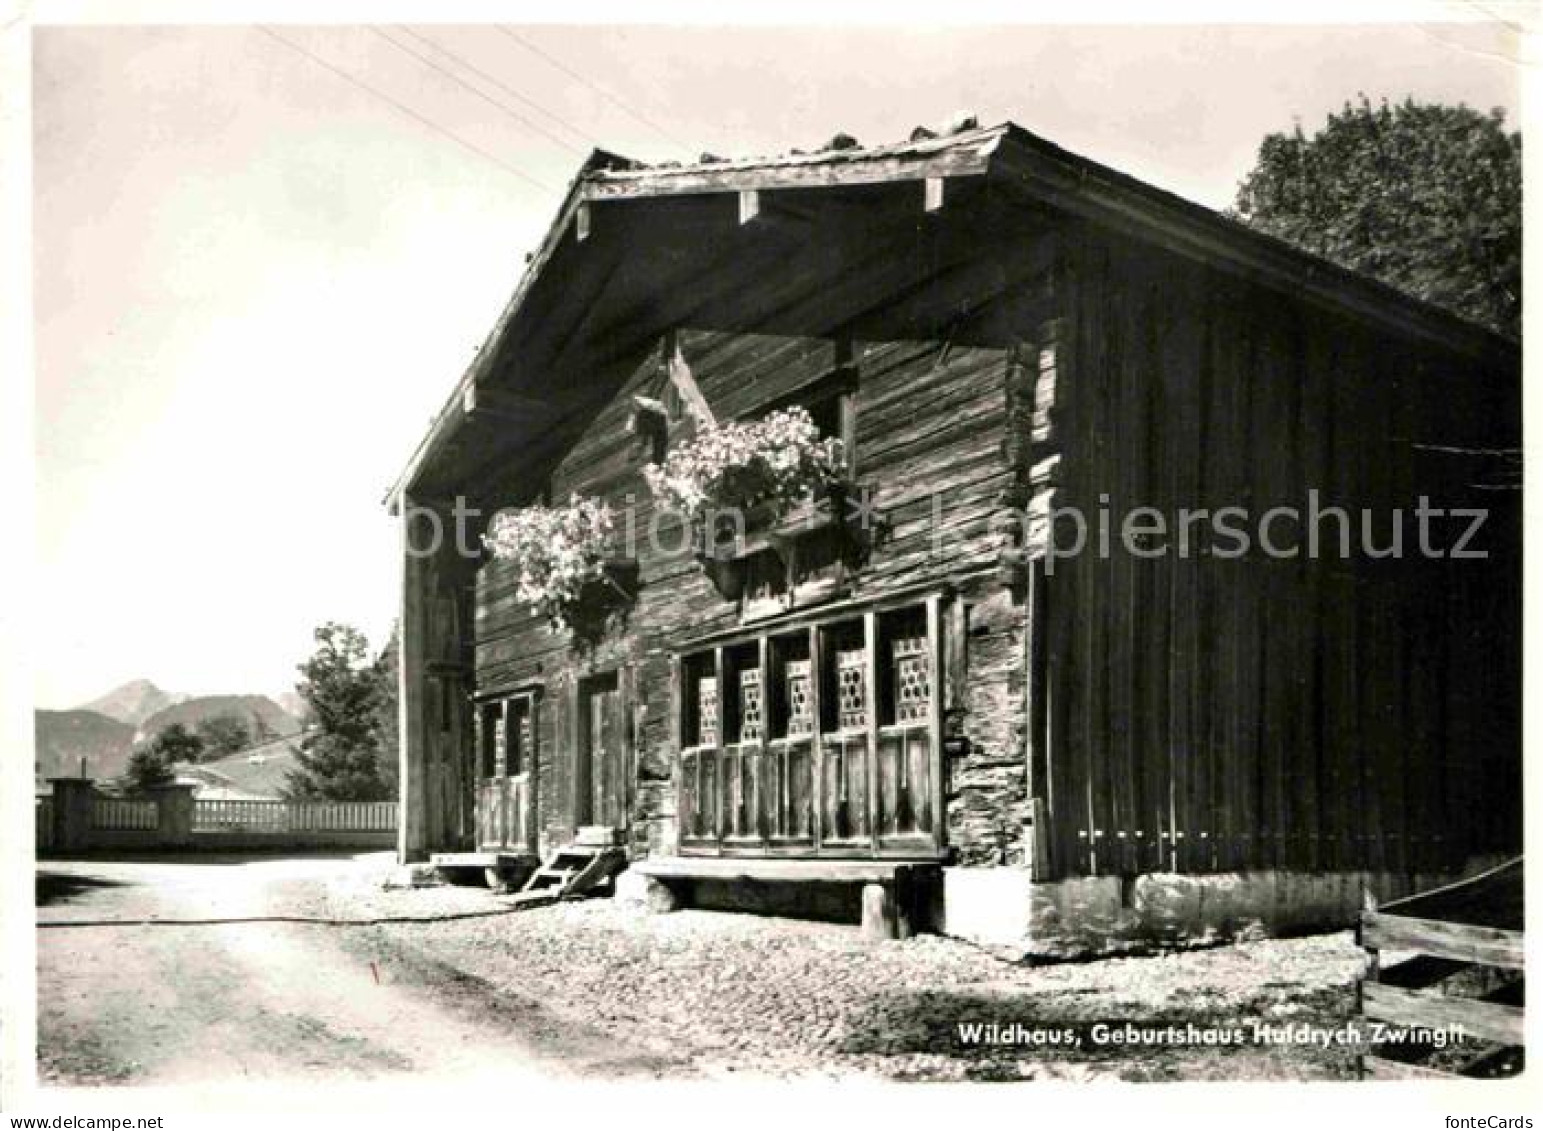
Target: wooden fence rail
[(294, 816), (124, 814), (1462, 953), (78, 817)]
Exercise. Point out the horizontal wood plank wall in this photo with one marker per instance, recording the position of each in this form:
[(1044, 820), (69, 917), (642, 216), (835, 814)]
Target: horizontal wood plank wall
[(930, 432), (1212, 714)]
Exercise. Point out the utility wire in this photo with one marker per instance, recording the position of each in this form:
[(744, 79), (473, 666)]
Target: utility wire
[(588, 138), (601, 91), (404, 108), (489, 99)]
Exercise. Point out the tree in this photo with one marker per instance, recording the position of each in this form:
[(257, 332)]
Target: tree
[(176, 743), (152, 763), (1424, 197), (148, 768), (261, 730), (386, 723), (341, 760), (224, 734)]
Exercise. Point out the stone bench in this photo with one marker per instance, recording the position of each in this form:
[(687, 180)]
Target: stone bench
[(889, 887)]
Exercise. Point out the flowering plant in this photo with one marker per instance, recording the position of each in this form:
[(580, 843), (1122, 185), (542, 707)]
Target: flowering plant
[(560, 552), (768, 464)]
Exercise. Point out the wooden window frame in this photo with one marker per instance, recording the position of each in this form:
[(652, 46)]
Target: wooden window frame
[(503, 707), (504, 794), (708, 793), (839, 384)]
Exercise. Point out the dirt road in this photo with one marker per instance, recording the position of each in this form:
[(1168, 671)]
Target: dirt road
[(248, 1001)]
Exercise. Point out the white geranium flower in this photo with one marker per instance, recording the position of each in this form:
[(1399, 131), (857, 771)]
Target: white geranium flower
[(557, 549)]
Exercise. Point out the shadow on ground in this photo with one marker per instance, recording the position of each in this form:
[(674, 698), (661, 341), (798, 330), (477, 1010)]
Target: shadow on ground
[(225, 858), (62, 887)]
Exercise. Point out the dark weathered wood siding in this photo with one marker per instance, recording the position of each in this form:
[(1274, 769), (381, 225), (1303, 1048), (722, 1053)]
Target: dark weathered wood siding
[(1188, 712), (1209, 714), (931, 426)]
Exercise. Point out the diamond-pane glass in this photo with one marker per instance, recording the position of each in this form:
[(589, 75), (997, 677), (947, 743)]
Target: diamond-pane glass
[(913, 681), (750, 705), (800, 701), (852, 688), (524, 733), (707, 710)]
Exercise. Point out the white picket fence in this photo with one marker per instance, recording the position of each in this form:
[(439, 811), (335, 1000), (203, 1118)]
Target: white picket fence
[(280, 817), (83, 819)]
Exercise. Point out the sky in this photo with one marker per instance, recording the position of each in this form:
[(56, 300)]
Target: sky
[(256, 280)]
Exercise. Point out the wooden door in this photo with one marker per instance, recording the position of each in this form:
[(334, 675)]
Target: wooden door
[(506, 756), (602, 754)]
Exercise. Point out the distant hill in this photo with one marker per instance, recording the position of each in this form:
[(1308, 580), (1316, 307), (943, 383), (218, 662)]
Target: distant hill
[(294, 704), (134, 702), (257, 772), (65, 737), (190, 712)]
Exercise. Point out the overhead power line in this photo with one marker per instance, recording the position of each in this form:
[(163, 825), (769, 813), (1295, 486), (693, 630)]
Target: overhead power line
[(404, 108), (588, 138), (596, 87), (489, 99)]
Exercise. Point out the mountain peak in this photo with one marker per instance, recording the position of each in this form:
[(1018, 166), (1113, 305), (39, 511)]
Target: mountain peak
[(133, 702)]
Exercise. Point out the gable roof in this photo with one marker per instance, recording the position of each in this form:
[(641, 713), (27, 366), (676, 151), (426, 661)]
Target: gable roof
[(1021, 164)]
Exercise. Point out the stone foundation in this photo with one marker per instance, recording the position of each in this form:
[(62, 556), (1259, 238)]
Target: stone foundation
[(1084, 917), (1001, 909)]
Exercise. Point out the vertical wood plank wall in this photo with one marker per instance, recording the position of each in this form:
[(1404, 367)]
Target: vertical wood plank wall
[(436, 758), (1213, 714)]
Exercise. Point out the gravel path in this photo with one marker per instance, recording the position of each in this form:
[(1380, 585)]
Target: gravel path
[(750, 996), (239, 997)]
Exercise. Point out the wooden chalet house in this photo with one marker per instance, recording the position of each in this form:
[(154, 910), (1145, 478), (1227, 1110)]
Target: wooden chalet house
[(1058, 753)]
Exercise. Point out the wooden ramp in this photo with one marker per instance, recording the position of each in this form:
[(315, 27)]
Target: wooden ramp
[(1460, 969)]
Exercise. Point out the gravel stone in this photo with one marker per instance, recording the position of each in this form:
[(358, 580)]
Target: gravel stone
[(758, 996)]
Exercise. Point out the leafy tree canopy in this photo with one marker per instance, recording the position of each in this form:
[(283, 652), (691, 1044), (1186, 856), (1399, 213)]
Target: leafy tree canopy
[(148, 768), (261, 730), (342, 758), (1422, 196), (386, 708), (151, 762), (178, 743), (224, 734)]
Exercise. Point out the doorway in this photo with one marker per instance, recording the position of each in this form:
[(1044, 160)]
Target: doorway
[(601, 785), (506, 758)]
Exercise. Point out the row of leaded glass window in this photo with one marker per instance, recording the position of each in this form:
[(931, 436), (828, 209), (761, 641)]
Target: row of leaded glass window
[(913, 693)]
